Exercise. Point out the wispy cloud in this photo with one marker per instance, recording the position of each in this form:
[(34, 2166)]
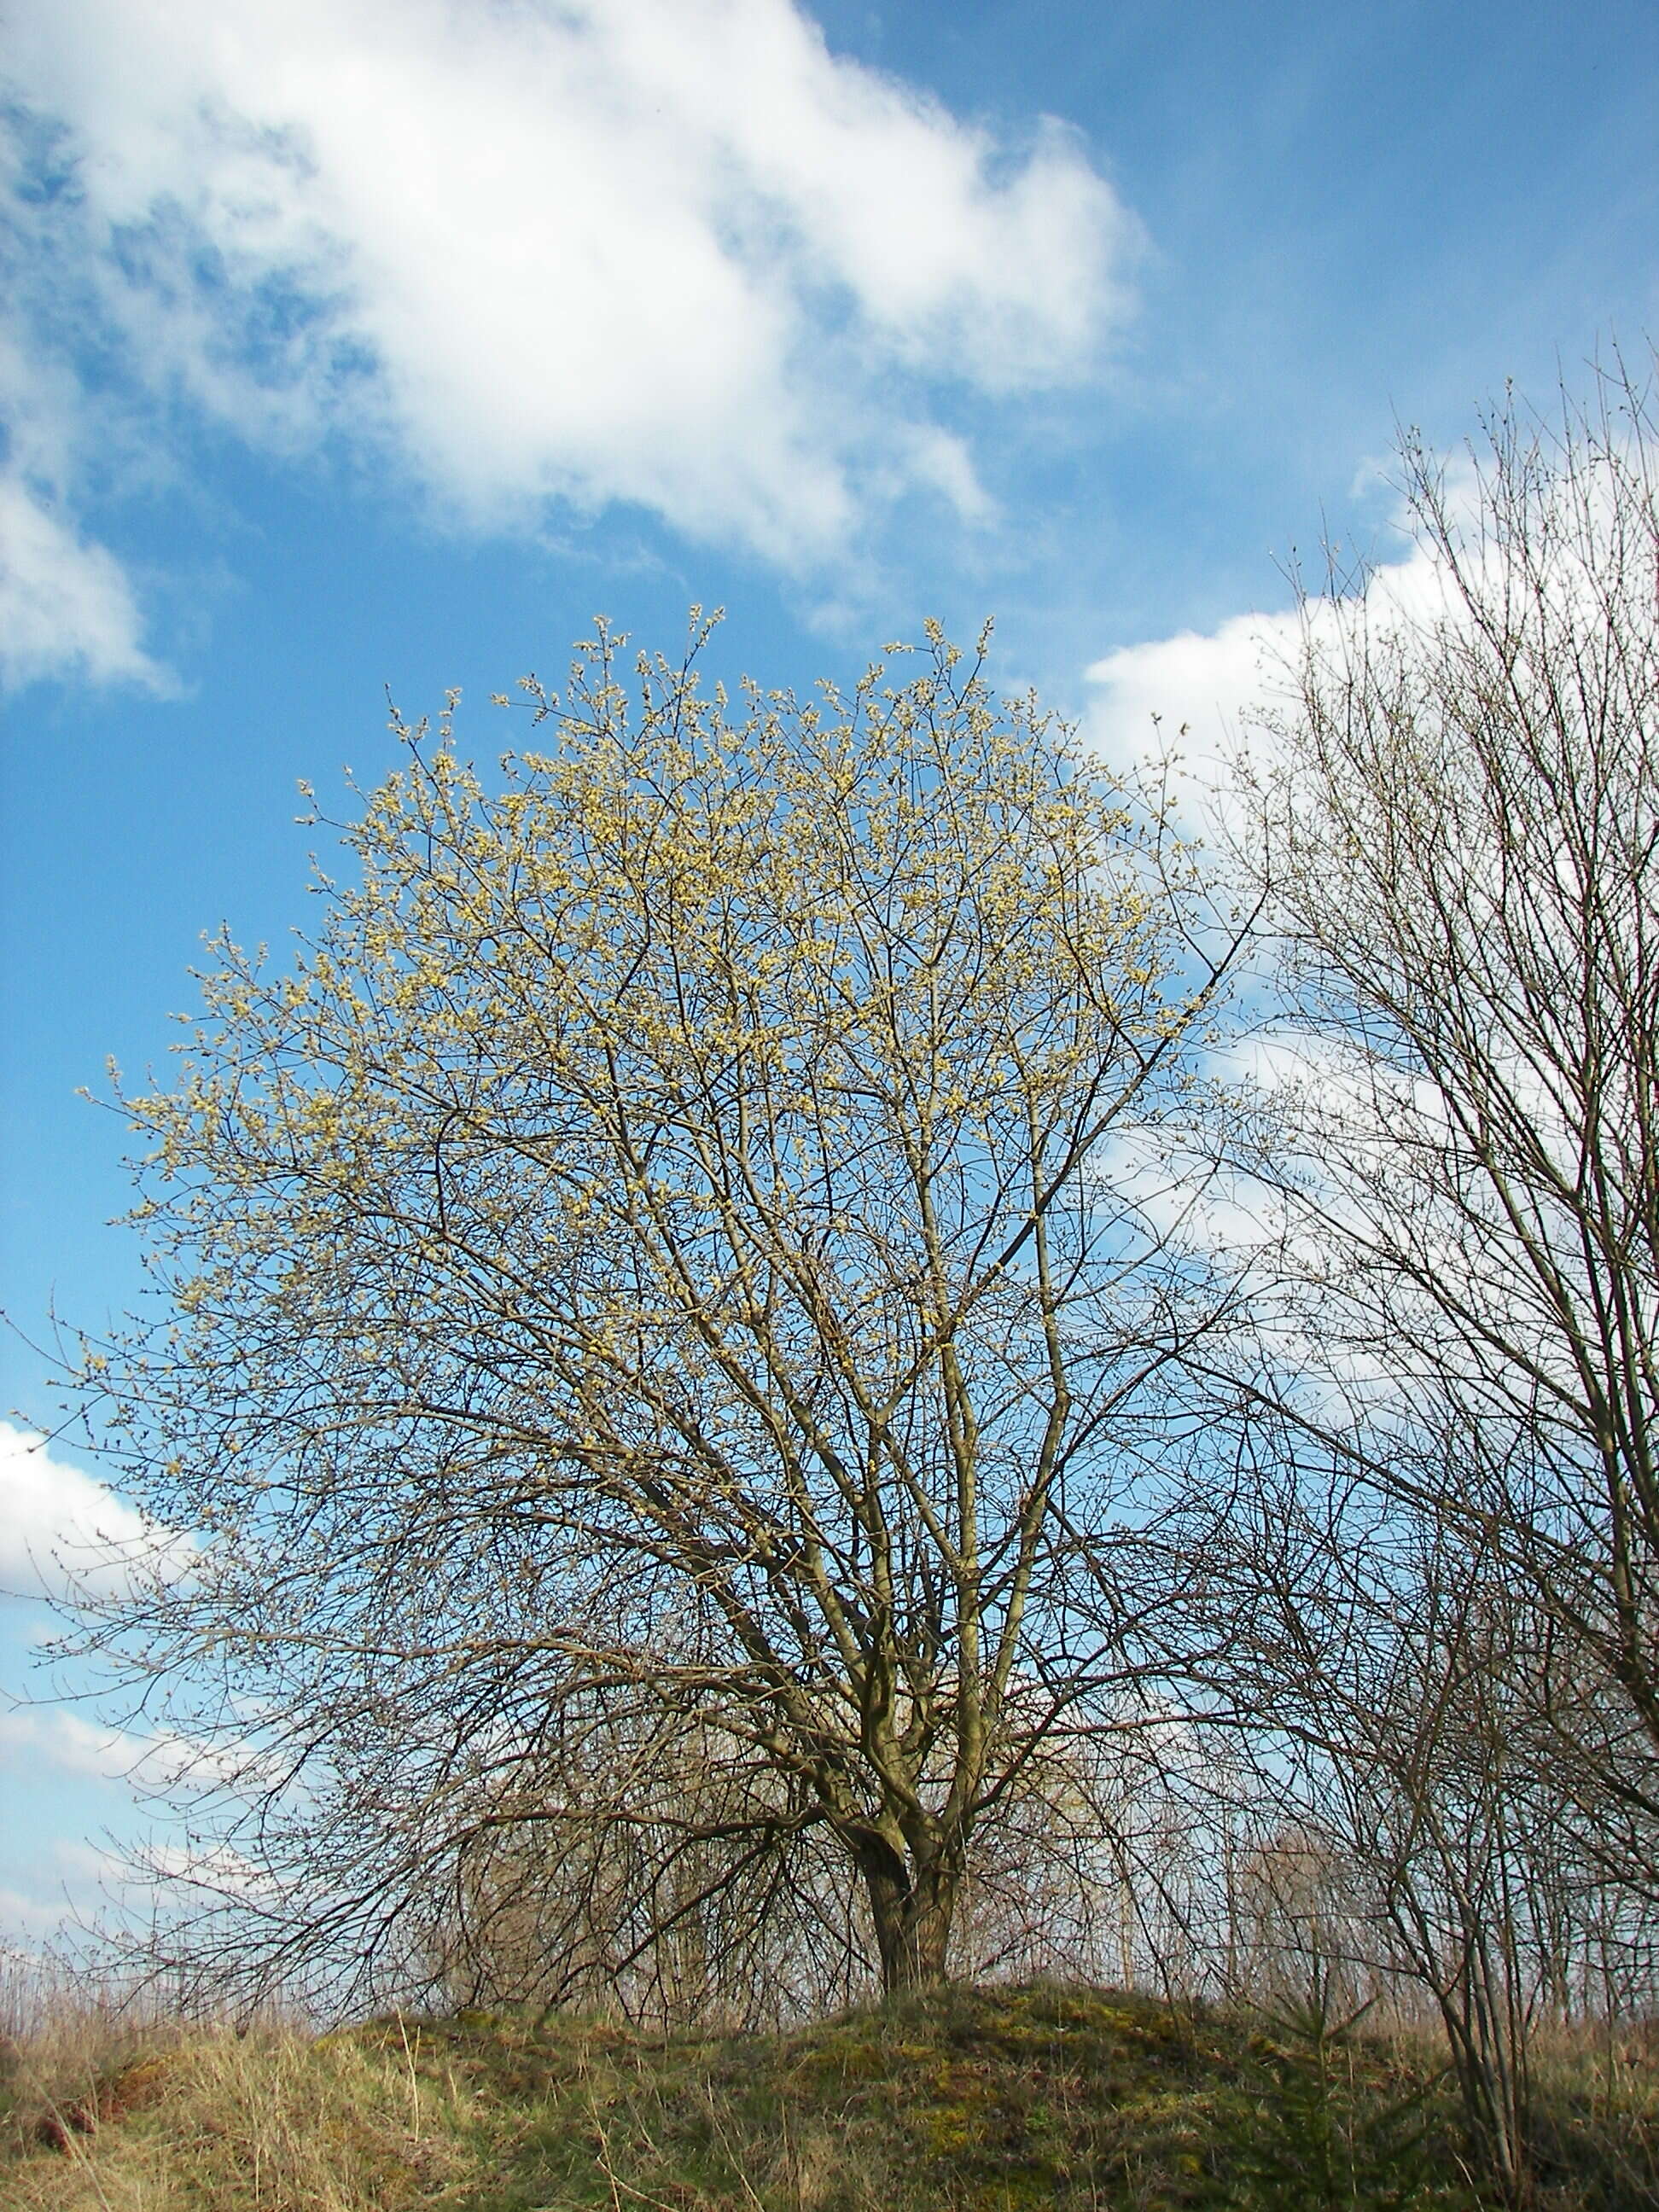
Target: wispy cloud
[(67, 606), (670, 253), (31, 1736), (26, 1920), (37, 1736)]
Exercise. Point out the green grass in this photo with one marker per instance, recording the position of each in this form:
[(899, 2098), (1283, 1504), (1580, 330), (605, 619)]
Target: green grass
[(986, 2101)]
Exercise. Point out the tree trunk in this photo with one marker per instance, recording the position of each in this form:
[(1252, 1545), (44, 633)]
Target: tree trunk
[(912, 1909)]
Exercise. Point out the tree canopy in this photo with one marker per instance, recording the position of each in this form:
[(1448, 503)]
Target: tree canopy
[(661, 1269)]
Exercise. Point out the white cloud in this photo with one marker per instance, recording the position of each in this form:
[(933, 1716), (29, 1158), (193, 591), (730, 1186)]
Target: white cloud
[(27, 1917), (31, 1735), (125, 1876), (219, 1869), (66, 604), (59, 1526), (53, 1734), (672, 252), (1207, 687), (1187, 692)]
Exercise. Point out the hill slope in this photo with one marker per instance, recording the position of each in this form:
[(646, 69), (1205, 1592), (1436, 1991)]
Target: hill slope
[(991, 2101)]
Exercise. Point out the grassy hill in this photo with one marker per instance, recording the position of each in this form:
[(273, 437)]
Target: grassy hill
[(993, 2100)]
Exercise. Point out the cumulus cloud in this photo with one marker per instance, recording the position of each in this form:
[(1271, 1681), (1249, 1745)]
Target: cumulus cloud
[(672, 252), (1189, 693), (1200, 693), (59, 1527)]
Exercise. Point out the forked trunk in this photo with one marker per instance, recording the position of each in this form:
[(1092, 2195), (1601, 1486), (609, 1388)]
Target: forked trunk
[(912, 1910)]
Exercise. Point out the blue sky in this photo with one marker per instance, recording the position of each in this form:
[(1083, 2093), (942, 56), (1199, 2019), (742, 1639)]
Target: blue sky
[(358, 343)]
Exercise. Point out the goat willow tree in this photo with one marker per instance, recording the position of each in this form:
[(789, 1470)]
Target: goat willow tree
[(651, 1276)]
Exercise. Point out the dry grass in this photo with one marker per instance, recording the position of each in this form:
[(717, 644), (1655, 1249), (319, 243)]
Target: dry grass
[(107, 2105), (1070, 2100), (266, 2122)]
